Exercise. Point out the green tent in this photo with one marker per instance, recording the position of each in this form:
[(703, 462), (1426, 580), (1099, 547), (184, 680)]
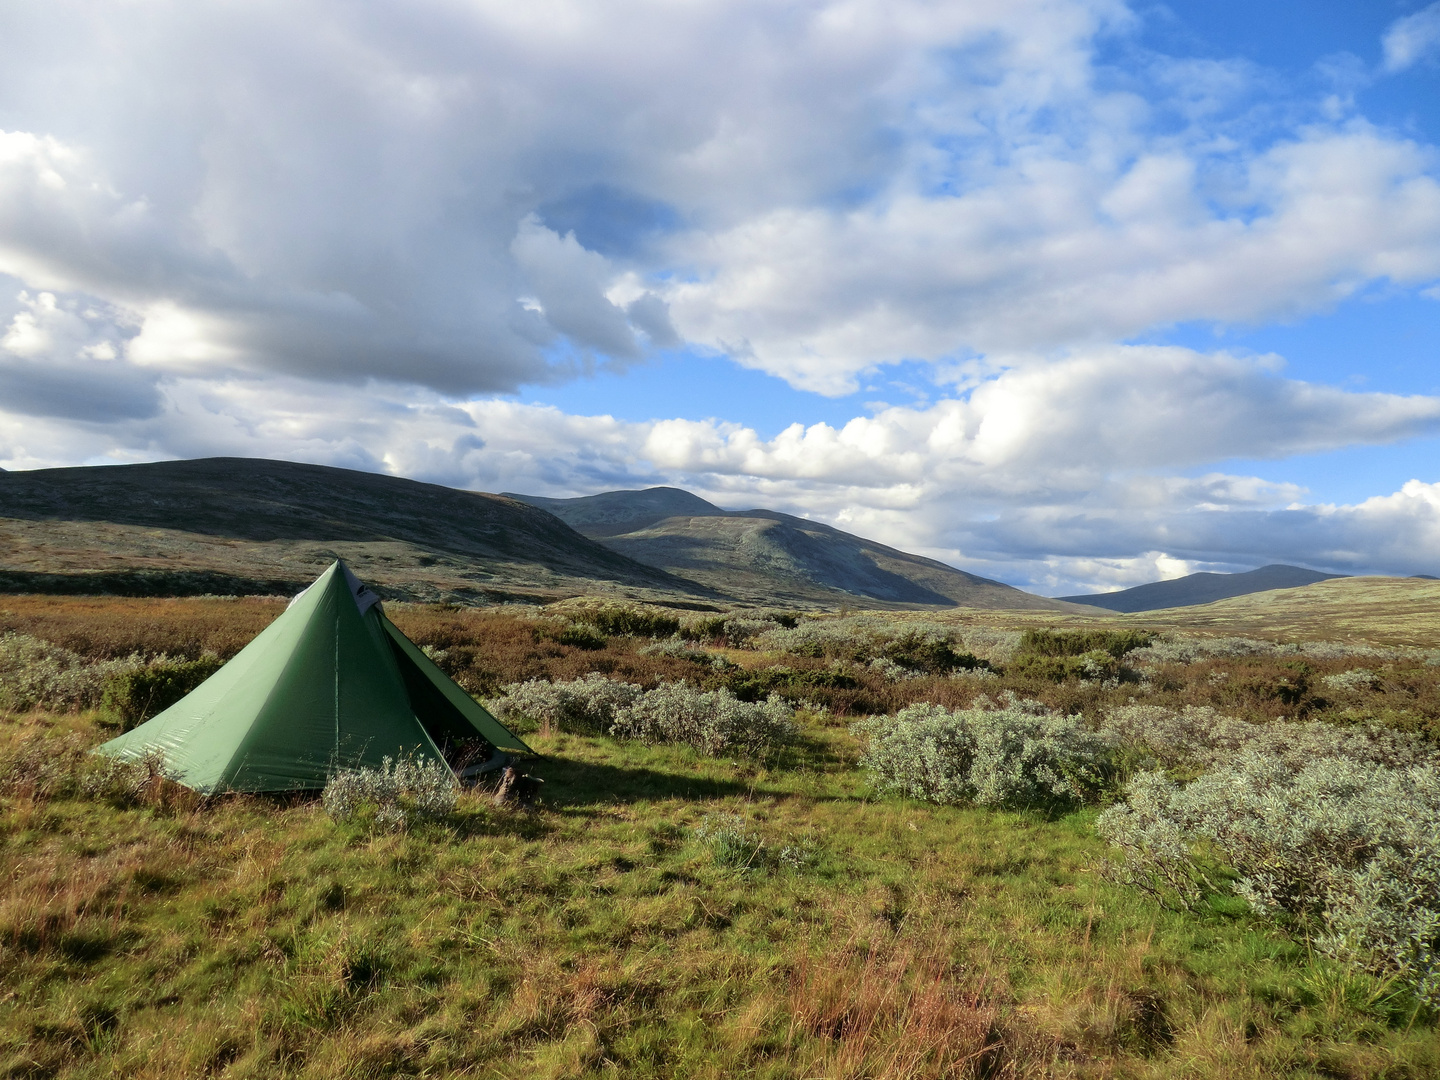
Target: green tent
[(331, 684)]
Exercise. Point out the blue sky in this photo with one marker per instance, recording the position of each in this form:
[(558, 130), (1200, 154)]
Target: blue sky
[(1073, 293)]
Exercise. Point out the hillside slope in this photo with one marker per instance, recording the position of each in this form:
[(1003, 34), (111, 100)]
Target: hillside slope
[(1204, 588), (1395, 611), (768, 557), (257, 520)]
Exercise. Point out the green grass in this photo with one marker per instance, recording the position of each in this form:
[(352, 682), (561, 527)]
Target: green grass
[(597, 935)]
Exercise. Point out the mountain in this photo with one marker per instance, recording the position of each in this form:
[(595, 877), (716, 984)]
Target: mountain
[(763, 556), (613, 513), (246, 525), (1202, 588)]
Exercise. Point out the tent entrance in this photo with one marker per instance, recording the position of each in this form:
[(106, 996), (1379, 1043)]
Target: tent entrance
[(454, 735)]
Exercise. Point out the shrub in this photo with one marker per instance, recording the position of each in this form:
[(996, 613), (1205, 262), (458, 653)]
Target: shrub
[(991, 757), (928, 652), (1198, 738), (917, 646), (40, 768), (35, 674), (678, 648), (754, 685), (713, 722), (585, 706), (1352, 850), (1095, 666), (1080, 642), (134, 696), (702, 627), (395, 793), (580, 636), (734, 845), (631, 621), (1355, 680)]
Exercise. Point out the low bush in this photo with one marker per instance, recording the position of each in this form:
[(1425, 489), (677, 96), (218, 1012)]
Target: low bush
[(755, 685), (134, 696), (678, 648), (1095, 666), (393, 795), (1354, 681), (713, 722), (703, 627), (631, 621), (1349, 849), (1198, 738), (42, 768), (1078, 643), (926, 648), (1006, 757), (584, 706), (35, 674)]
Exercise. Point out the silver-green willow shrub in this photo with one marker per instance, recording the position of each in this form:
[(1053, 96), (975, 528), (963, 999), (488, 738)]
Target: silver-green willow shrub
[(35, 674), (1007, 757), (1197, 738), (1350, 848), (713, 722), (585, 706), (396, 792)]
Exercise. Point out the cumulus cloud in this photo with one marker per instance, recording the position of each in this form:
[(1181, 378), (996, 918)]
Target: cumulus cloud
[(430, 193), (1412, 38)]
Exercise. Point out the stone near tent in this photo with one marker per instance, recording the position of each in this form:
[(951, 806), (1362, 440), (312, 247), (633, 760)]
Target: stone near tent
[(331, 684)]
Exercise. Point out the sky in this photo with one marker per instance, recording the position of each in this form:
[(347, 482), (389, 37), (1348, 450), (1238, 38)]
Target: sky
[(1075, 294)]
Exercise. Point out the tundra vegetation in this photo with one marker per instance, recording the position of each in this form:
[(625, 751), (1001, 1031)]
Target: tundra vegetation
[(766, 844)]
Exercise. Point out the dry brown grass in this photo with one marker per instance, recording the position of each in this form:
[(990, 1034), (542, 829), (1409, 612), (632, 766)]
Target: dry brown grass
[(107, 627)]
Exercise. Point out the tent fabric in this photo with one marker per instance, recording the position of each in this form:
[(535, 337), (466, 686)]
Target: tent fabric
[(331, 684)]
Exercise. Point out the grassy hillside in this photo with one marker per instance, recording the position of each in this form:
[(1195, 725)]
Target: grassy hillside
[(278, 522), (767, 557), (1401, 611), (661, 912)]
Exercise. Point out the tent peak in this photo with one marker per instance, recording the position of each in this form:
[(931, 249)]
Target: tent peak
[(365, 597)]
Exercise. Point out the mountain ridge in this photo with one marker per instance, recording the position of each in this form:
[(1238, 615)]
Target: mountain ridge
[(1202, 588), (257, 519), (762, 555)]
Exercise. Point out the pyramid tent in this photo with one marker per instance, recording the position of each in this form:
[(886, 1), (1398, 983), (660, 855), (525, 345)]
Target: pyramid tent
[(331, 684)]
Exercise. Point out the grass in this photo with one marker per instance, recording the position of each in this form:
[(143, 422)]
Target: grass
[(598, 935), (659, 913)]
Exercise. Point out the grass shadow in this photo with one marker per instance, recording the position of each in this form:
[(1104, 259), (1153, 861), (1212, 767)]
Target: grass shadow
[(574, 783)]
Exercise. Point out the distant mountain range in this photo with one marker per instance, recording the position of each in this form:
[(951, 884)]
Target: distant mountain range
[(764, 556), (1202, 588), (246, 525)]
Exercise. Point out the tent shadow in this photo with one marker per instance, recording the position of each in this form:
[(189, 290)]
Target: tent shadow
[(574, 784)]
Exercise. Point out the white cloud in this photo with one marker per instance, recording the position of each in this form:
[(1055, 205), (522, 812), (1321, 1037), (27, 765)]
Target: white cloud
[(1064, 252), (442, 194), (1412, 38)]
